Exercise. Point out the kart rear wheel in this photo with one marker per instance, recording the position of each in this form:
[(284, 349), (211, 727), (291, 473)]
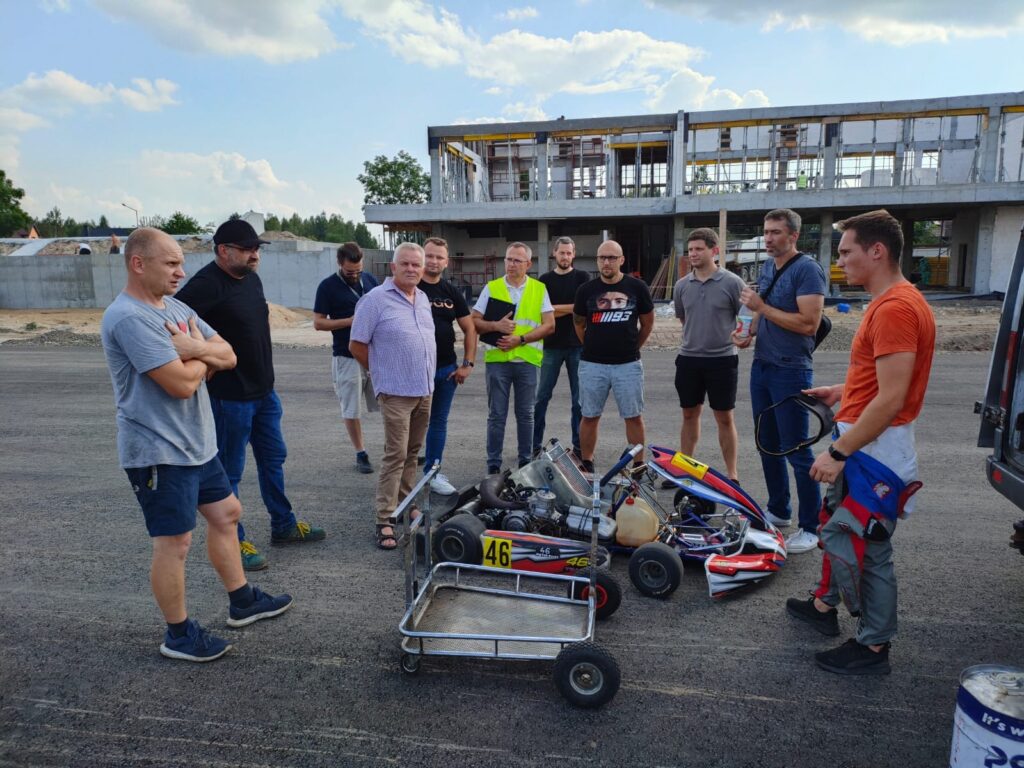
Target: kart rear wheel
[(586, 675), (458, 540), (655, 569), (608, 597), (685, 504)]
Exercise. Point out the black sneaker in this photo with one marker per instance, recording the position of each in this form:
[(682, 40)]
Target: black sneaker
[(421, 460), (195, 645), (827, 623), (363, 464), (852, 658), (587, 465), (263, 606), (493, 470)]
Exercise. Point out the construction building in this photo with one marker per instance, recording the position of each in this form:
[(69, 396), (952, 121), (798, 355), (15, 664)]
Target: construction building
[(951, 169)]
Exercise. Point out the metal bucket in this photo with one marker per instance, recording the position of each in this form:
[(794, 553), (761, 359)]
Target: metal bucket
[(988, 724)]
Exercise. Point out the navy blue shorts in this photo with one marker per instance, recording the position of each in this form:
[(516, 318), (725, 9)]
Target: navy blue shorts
[(169, 495)]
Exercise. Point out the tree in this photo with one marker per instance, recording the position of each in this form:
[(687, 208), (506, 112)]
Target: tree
[(52, 224), (103, 222), (180, 224), (273, 224), (364, 238), (394, 182), (12, 217)]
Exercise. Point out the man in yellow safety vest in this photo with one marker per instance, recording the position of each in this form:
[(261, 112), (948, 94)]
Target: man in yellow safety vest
[(513, 349)]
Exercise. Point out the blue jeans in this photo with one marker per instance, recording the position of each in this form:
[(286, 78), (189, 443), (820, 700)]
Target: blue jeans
[(785, 427), (549, 370), (501, 379), (256, 423), (440, 406)]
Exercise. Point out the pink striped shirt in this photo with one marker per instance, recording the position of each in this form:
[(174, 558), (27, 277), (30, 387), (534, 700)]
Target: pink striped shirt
[(400, 335)]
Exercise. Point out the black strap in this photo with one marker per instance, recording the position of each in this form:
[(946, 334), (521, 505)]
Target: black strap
[(778, 274)]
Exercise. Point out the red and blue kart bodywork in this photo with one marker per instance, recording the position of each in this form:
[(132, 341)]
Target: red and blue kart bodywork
[(715, 521)]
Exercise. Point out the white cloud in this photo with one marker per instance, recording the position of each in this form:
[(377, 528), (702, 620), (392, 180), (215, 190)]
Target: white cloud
[(52, 6), (691, 90), (273, 31), (149, 96), (18, 120), (896, 22), (59, 93), (224, 170), (518, 14)]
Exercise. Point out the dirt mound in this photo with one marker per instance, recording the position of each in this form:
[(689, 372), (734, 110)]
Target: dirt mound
[(282, 235), (282, 317), (60, 338)]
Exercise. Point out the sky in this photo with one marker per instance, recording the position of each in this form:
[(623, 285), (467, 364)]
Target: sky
[(214, 106)]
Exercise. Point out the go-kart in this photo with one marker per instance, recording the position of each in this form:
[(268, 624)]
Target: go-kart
[(712, 520)]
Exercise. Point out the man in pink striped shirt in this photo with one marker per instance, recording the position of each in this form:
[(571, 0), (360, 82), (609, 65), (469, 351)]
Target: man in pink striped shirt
[(393, 337)]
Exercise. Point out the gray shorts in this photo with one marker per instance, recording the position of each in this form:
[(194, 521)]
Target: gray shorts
[(348, 378), (626, 382)]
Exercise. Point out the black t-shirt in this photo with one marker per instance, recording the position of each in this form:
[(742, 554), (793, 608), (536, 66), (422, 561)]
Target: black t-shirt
[(613, 318), (238, 311), (562, 290), (446, 305), (336, 299)]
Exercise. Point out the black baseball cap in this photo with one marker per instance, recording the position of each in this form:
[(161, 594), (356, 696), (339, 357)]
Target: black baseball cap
[(238, 232)]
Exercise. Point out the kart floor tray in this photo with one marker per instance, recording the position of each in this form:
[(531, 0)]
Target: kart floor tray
[(506, 621)]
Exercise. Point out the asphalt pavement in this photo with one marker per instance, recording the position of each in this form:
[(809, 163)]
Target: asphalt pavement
[(727, 683)]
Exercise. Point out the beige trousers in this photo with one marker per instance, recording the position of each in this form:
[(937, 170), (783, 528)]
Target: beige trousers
[(405, 425)]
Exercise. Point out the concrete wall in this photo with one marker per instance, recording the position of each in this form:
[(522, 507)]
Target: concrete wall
[(1005, 236), (290, 270)]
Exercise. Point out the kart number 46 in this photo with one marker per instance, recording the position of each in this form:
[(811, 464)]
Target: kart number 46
[(497, 552)]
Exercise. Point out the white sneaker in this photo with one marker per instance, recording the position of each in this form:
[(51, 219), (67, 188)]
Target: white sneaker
[(801, 541), (778, 522), (441, 485)]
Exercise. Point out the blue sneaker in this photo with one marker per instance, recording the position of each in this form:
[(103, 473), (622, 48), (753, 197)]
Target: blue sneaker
[(195, 645), (263, 606)]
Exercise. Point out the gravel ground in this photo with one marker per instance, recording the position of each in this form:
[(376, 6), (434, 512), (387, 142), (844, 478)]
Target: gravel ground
[(728, 683)]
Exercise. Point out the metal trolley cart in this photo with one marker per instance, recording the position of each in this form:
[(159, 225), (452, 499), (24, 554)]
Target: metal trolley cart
[(494, 612)]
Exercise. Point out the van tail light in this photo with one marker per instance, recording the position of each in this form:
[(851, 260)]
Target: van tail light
[(1011, 354)]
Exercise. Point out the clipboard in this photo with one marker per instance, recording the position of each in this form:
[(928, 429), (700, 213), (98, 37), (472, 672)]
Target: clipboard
[(496, 309)]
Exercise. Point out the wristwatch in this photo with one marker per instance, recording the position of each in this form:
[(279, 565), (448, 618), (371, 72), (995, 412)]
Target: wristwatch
[(467, 362), (522, 340), (836, 454)]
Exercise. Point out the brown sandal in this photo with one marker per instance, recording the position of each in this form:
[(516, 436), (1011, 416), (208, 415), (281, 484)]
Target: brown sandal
[(386, 540)]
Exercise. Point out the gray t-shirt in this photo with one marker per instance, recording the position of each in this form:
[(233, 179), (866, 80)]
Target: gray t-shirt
[(708, 310), (153, 427), (776, 345)]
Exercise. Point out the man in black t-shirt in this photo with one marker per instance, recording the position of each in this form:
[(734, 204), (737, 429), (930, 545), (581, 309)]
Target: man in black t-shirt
[(228, 294), (447, 306), (563, 346), (613, 315), (333, 310)]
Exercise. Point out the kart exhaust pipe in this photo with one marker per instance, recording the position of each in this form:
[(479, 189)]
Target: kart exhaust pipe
[(490, 488)]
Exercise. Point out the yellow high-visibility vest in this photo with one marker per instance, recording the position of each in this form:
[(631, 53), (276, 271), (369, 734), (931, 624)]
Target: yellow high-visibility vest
[(527, 317)]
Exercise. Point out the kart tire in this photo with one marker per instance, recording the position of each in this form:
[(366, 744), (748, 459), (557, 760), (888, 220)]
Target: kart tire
[(410, 664), (700, 507), (458, 540), (655, 569), (608, 597), (586, 675)]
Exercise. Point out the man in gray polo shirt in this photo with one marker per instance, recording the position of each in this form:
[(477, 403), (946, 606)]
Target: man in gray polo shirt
[(707, 301)]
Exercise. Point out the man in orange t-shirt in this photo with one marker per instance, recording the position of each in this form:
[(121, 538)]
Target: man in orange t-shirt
[(872, 465)]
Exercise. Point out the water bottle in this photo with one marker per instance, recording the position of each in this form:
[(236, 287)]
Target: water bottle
[(743, 321)]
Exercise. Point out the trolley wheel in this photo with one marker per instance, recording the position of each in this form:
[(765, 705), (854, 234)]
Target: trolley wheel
[(655, 569), (608, 597), (410, 664), (685, 504), (586, 675), (458, 540)]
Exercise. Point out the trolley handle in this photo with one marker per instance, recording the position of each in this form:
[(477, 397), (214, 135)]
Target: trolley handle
[(627, 457)]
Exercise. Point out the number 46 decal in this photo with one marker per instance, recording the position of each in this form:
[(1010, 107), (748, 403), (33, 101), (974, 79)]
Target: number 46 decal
[(497, 552)]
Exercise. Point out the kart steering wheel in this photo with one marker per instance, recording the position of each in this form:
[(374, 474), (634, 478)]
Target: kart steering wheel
[(824, 415)]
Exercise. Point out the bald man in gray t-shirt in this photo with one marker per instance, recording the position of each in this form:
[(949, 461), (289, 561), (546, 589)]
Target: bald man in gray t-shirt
[(707, 301)]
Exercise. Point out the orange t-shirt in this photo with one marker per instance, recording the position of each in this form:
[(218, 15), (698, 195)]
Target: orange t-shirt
[(899, 320)]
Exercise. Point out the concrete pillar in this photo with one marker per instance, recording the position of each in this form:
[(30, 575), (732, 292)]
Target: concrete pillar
[(825, 249), (723, 226), (906, 262), (831, 151), (679, 238), (988, 159), (435, 171), (543, 254), (677, 179), (542, 166), (983, 251)]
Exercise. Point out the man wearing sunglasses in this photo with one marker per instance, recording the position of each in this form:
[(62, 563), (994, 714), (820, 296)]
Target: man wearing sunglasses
[(228, 294)]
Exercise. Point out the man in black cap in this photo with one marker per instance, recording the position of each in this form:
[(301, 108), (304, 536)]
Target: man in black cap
[(228, 294)]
